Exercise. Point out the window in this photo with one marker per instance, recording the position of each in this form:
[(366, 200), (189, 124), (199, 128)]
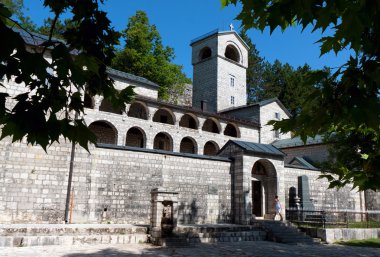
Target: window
[(277, 134), (232, 100), (277, 115), (232, 82)]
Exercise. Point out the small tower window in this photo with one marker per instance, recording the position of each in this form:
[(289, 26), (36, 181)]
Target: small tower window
[(232, 53), (205, 53), (232, 100), (277, 134), (232, 81), (277, 115)]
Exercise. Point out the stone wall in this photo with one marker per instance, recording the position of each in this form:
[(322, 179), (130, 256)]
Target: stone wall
[(321, 197), (314, 153), (373, 200), (332, 235), (110, 185), (267, 113)]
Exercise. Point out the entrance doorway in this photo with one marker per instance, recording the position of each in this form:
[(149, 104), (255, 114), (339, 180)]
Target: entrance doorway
[(256, 198), (264, 188)]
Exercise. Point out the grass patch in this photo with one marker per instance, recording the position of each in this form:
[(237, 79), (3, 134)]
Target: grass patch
[(372, 242)]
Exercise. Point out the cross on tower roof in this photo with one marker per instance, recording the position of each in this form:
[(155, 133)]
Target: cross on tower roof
[(232, 27)]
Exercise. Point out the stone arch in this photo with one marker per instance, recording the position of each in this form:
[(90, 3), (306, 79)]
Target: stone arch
[(105, 132), (164, 115), (205, 53), (232, 130), (163, 141), (136, 137), (188, 145), (106, 106), (264, 187), (138, 110), (211, 125), (210, 148), (88, 101), (189, 120), (232, 53)]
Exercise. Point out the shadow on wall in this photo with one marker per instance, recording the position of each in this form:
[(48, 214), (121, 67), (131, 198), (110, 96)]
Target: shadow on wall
[(191, 214), (188, 214), (224, 215)]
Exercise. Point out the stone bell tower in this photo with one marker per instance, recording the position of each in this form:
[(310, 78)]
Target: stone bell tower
[(220, 60)]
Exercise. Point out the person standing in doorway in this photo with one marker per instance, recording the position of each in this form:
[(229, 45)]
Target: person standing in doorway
[(278, 208)]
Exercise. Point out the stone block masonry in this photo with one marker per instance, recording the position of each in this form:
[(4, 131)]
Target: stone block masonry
[(110, 185)]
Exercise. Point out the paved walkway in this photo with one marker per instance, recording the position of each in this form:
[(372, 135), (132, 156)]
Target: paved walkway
[(257, 249)]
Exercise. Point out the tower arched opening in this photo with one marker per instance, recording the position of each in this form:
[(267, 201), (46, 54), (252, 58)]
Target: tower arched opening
[(205, 53), (232, 53)]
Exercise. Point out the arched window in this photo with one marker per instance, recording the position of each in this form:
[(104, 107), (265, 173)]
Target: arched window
[(163, 116), (138, 110), (231, 130), (188, 121), (188, 145), (135, 137), (232, 53), (88, 101), (163, 141), (104, 131), (210, 148), (205, 53), (211, 125), (106, 106)]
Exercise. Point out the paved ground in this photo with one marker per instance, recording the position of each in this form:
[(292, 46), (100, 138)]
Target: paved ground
[(257, 249)]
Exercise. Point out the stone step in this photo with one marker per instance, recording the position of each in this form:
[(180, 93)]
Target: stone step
[(189, 242), (187, 236), (70, 229), (222, 234), (16, 235), (285, 232), (216, 228), (20, 241)]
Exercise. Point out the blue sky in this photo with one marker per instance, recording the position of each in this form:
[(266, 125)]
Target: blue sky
[(180, 21)]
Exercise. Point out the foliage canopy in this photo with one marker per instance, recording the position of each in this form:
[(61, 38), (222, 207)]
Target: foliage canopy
[(145, 55), (53, 89), (346, 103)]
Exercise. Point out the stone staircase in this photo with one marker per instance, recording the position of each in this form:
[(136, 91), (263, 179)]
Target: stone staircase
[(18, 235), (189, 236), (285, 232)]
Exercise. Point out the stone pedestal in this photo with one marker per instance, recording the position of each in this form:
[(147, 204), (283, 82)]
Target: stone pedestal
[(164, 212)]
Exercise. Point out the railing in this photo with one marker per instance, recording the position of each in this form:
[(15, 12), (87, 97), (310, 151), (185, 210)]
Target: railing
[(333, 219)]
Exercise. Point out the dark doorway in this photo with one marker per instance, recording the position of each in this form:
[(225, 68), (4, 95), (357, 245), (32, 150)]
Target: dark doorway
[(256, 198)]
